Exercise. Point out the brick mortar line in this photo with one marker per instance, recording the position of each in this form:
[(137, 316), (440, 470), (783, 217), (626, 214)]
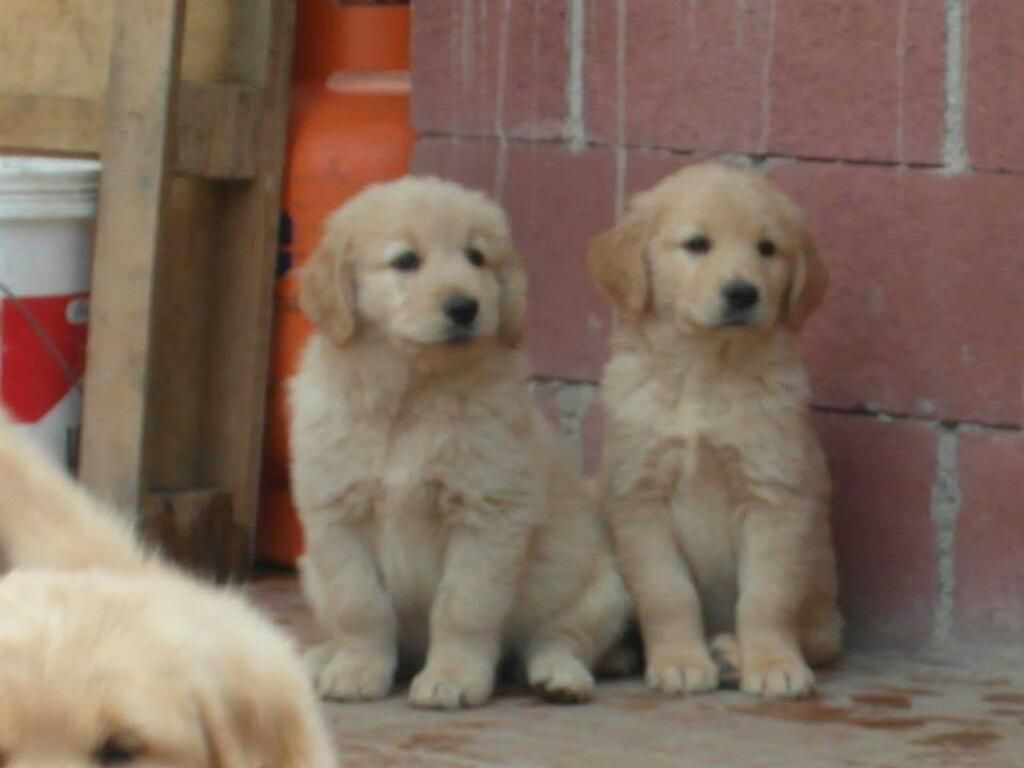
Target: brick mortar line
[(500, 164), (946, 503), (756, 159), (961, 426), (954, 143), (974, 427), (575, 130)]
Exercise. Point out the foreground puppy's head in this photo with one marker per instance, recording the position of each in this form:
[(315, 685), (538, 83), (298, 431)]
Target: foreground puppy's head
[(419, 260), (97, 669), (711, 247)]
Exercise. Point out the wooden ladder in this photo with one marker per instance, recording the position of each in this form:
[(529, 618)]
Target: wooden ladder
[(178, 346)]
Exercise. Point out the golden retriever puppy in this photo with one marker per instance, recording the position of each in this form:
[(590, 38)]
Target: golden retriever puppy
[(110, 657), (716, 486), (441, 518)]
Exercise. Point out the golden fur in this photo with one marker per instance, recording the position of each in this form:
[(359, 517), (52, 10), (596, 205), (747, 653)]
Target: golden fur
[(716, 486), (434, 499), (109, 656)]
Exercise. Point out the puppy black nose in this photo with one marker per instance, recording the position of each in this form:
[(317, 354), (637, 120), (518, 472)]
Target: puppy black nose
[(461, 309), (740, 295)]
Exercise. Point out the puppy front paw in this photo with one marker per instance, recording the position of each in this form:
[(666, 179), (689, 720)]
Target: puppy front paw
[(450, 686), (343, 674), (561, 678), (676, 672), (776, 676)]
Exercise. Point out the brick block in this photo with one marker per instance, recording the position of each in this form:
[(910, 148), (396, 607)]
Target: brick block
[(601, 60), (858, 79), (989, 583), (995, 88), (645, 168), (535, 81), (556, 201), (882, 477), (694, 74), (926, 272), (454, 66), (475, 67), (473, 162)]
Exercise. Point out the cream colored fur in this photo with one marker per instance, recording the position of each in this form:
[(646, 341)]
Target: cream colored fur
[(109, 656), (717, 489), (442, 520)]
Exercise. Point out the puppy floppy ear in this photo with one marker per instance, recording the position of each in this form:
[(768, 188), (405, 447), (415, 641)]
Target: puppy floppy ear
[(512, 305), (618, 264), (248, 726), (808, 284), (327, 289)]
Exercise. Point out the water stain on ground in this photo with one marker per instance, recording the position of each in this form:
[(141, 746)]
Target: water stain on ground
[(908, 690), (883, 699), (1007, 712), (816, 712), (435, 741), (961, 739), (1004, 698), (994, 682), (640, 703)]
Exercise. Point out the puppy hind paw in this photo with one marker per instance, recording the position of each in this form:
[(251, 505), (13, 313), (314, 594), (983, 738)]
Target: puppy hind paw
[(788, 678), (345, 675), (561, 680), (725, 650), (451, 688), (684, 673)]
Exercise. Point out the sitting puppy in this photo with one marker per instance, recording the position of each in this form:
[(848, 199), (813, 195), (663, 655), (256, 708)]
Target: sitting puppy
[(716, 486), (440, 518), (111, 657)]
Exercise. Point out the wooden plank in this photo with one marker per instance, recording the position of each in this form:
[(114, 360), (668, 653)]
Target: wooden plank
[(136, 151), (195, 529), (243, 279), (36, 123), (216, 127)]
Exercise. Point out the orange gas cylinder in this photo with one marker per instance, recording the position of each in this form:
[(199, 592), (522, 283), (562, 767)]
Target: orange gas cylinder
[(349, 127)]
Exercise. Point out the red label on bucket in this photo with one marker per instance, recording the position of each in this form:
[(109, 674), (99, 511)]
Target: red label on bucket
[(43, 352)]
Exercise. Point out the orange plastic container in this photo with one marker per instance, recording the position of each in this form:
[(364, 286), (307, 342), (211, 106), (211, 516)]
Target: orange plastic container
[(349, 127)]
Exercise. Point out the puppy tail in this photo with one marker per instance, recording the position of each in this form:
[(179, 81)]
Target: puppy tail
[(48, 521)]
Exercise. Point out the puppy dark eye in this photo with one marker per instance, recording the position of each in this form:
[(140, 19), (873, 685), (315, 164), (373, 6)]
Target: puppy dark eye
[(766, 248), (409, 261), (475, 256), (698, 244), (115, 753)]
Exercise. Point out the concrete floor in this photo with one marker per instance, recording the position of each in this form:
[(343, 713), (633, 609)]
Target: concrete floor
[(871, 710)]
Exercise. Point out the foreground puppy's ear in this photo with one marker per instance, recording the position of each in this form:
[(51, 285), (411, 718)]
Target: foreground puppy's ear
[(327, 293), (617, 262), (807, 286), (263, 727), (512, 307)]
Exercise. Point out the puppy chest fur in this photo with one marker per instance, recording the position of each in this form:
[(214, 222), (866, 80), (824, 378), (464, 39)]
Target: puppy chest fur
[(716, 445)]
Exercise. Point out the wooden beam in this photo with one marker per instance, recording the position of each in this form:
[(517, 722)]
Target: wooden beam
[(196, 529), (216, 128), (243, 280), (34, 123), (136, 151)]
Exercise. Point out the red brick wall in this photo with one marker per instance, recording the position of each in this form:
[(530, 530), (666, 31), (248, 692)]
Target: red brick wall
[(899, 125)]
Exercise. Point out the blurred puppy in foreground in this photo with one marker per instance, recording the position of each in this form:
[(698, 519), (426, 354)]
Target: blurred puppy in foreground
[(716, 486), (109, 656), (442, 520)]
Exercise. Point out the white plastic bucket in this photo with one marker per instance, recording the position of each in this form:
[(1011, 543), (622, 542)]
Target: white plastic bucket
[(47, 222)]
